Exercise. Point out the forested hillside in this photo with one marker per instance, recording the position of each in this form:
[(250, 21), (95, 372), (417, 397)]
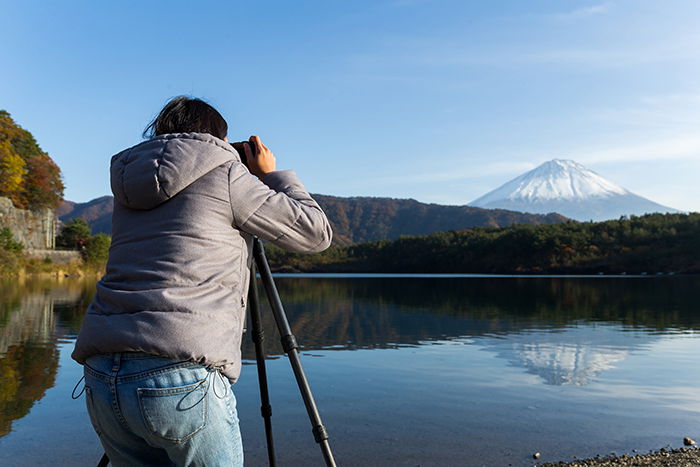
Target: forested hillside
[(358, 219), (647, 244), (97, 213), (28, 176), (365, 219)]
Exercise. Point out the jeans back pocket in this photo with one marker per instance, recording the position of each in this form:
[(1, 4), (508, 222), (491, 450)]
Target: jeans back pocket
[(174, 414)]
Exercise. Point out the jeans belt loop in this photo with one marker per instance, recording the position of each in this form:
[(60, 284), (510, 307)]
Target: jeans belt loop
[(116, 362)]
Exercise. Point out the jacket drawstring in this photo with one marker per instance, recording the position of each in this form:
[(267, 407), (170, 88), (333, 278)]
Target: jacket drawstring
[(72, 394), (213, 384)]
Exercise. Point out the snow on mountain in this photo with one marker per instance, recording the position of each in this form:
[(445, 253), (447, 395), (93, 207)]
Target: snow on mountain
[(554, 180), (569, 188)]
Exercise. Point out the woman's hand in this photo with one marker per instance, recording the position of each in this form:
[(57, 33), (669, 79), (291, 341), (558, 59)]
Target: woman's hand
[(262, 162)]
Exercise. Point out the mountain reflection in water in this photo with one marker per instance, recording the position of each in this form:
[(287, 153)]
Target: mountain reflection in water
[(570, 356), (565, 330)]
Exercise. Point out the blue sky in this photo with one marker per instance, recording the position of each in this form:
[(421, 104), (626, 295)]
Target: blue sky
[(440, 101)]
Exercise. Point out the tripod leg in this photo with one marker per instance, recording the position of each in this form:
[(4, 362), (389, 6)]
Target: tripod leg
[(290, 347), (258, 336)]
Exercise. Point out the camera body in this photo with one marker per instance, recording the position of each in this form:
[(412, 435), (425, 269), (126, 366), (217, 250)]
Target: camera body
[(239, 146)]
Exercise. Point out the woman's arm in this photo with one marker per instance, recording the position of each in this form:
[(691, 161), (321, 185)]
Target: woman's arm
[(276, 207)]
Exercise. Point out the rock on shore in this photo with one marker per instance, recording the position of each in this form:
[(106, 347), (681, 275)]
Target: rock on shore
[(683, 457)]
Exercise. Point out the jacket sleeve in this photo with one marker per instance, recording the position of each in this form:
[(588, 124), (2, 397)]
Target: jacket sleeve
[(278, 210)]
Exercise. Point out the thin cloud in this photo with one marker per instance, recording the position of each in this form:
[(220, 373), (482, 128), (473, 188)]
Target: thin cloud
[(408, 54), (584, 12), (664, 127), (404, 3), (677, 148), (680, 50), (473, 171), (680, 112)]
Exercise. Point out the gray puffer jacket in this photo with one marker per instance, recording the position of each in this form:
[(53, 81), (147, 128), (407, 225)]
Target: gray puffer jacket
[(177, 275)]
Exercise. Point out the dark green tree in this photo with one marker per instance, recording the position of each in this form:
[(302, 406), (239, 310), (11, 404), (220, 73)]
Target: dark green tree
[(10, 251), (97, 249), (8, 242), (75, 234), (654, 243)]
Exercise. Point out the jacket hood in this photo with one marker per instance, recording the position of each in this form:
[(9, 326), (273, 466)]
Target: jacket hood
[(150, 173)]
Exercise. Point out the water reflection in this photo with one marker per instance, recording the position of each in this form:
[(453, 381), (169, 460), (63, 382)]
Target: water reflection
[(572, 355), (29, 333), (565, 331), (352, 313)]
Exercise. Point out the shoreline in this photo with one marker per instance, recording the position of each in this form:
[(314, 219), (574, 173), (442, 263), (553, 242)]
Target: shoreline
[(53, 271), (283, 273), (664, 457)]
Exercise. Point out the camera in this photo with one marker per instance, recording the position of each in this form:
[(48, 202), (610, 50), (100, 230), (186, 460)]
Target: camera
[(240, 149)]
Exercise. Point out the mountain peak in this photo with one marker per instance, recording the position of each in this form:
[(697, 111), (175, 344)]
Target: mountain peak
[(562, 164), (558, 179), (566, 187)]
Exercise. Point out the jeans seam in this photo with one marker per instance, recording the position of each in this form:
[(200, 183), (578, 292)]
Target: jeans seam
[(96, 374), (91, 411), (159, 371), (227, 401), (134, 376), (116, 366)]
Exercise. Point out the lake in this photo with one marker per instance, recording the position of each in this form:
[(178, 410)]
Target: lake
[(407, 370)]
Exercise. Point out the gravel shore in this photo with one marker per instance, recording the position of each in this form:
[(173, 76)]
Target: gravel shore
[(683, 457)]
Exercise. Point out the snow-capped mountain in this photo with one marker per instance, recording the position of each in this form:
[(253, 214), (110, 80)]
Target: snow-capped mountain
[(569, 188)]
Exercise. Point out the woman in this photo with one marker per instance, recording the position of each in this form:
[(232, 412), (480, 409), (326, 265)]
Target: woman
[(163, 333)]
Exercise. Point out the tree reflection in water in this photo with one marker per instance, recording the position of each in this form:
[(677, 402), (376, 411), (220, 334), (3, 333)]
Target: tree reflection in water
[(30, 329), (534, 321), (353, 313)]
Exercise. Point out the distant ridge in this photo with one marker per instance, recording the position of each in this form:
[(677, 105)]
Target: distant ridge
[(97, 213), (569, 188), (364, 219), (359, 219)]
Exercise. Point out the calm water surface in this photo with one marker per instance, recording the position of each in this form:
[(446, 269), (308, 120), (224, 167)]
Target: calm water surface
[(407, 371)]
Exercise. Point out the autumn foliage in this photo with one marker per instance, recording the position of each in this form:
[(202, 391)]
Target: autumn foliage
[(28, 176)]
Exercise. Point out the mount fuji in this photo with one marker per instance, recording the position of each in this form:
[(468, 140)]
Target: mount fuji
[(568, 188)]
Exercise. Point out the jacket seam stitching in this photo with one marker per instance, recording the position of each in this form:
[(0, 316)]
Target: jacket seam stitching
[(291, 226), (254, 211), (159, 187), (230, 201), (198, 313), (316, 245), (123, 169)]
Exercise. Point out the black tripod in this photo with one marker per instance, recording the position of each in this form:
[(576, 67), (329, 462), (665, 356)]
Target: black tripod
[(289, 344)]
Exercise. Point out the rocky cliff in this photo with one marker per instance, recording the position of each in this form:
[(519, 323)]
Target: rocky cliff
[(34, 229)]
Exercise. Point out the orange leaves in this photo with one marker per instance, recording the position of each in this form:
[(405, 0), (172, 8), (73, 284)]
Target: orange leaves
[(28, 176), (12, 172)]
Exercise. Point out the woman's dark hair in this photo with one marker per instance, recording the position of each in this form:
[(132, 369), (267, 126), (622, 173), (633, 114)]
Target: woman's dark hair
[(187, 115)]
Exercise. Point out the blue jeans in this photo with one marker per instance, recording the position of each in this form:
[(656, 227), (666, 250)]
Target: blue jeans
[(154, 411)]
